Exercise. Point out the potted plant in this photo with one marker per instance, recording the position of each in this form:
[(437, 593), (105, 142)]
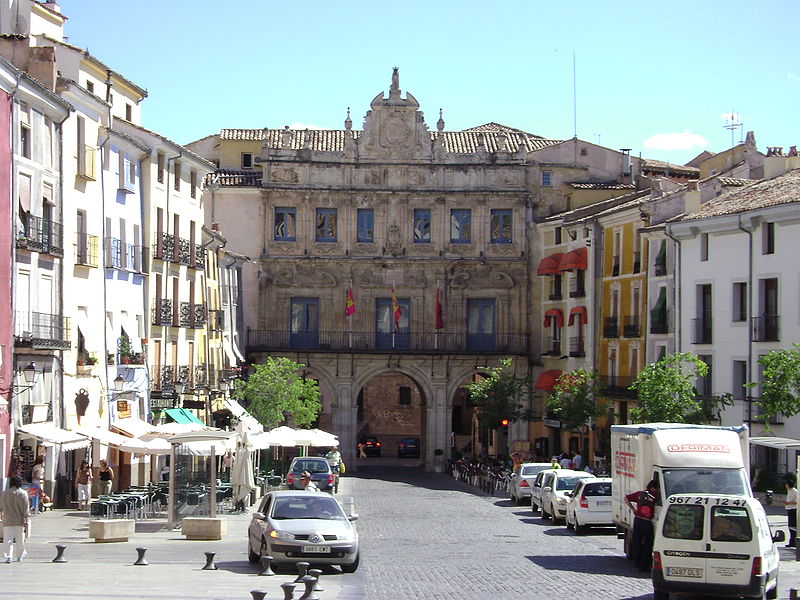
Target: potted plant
[(91, 359), (125, 350)]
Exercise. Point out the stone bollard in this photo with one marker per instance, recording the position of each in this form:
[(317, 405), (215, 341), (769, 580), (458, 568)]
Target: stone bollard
[(141, 561), (210, 566), (309, 594), (266, 566), (302, 571), (60, 553), (258, 594), (288, 590), (316, 573)]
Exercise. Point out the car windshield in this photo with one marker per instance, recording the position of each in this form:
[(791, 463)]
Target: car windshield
[(312, 466), (529, 471), (710, 481), (307, 507), (567, 483)]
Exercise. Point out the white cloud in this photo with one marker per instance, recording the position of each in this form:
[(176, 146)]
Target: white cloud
[(676, 141), (304, 126)]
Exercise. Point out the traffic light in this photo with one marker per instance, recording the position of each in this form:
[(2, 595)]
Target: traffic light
[(504, 424)]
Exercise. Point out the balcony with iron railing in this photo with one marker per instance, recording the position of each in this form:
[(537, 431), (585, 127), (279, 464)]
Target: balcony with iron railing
[(576, 347), (752, 412), (615, 266), (179, 250), (86, 250), (766, 328), (637, 262), (192, 315), (216, 319), (41, 330), (617, 385), (162, 377), (658, 321), (577, 289), (163, 313), (41, 235), (260, 340), (631, 327), (552, 347), (702, 330), (611, 327)]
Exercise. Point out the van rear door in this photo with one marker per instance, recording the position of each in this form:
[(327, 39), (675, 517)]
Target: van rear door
[(682, 544), (731, 542)]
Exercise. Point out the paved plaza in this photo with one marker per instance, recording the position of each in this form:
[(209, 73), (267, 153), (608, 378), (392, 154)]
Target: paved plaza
[(423, 535)]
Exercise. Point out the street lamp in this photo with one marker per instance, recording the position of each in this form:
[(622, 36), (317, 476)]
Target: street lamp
[(118, 383), (31, 374)]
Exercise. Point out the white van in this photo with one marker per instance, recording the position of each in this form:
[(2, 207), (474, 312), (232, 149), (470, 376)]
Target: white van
[(716, 545)]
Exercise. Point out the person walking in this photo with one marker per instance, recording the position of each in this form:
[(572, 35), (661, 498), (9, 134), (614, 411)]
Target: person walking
[(106, 477), (643, 533), (14, 513), (791, 509), (577, 461), (83, 479), (37, 483)]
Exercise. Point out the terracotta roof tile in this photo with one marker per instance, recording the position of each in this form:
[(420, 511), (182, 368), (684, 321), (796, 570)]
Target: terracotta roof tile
[(649, 164), (602, 186), (784, 189)]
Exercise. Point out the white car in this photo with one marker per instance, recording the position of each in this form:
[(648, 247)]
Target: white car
[(522, 477), (555, 486), (589, 504), (536, 489)]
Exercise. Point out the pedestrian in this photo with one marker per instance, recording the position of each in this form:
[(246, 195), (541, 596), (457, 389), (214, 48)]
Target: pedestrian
[(106, 477), (334, 457), (643, 533), (83, 479), (361, 452), (14, 514), (565, 462), (577, 461), (305, 481), (791, 508), (554, 463), (37, 483)]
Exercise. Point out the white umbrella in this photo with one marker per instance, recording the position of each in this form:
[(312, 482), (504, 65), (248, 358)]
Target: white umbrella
[(315, 437), (281, 436), (242, 473)]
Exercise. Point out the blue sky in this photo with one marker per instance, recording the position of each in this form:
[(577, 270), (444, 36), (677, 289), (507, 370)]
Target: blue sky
[(658, 78)]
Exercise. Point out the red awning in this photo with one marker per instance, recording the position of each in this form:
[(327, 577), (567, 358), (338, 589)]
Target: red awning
[(578, 310), (577, 259), (556, 314), (547, 380), (550, 265)]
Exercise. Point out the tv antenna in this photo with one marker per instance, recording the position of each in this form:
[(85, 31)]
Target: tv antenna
[(733, 125)]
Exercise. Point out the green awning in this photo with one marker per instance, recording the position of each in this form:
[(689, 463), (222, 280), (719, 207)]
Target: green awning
[(178, 415), (192, 417)]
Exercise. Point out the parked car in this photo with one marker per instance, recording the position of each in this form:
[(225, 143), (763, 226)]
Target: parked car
[(555, 485), (522, 477), (589, 504), (371, 446), (536, 489), (319, 468), (408, 448), (293, 526)]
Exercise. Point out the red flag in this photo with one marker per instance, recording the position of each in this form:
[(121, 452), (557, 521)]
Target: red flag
[(439, 315), (396, 310), (349, 303)]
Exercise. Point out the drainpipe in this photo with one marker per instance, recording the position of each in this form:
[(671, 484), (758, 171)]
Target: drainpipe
[(165, 328), (676, 297), (104, 357), (13, 219), (748, 374)]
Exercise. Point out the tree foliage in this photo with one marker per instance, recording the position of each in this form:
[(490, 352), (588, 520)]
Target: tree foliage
[(780, 384), (574, 398), (276, 392), (499, 395), (667, 392)]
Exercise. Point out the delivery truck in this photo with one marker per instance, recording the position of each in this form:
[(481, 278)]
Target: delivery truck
[(682, 458)]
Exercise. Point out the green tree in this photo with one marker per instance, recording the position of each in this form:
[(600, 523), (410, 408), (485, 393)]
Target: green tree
[(780, 384), (667, 392), (499, 395), (574, 399), (276, 392)]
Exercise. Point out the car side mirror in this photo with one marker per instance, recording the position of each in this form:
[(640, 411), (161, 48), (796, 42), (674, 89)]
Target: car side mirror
[(778, 536), (547, 488), (568, 494), (259, 516), (354, 517)]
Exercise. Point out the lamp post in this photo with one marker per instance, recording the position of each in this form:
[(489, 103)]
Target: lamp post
[(31, 374)]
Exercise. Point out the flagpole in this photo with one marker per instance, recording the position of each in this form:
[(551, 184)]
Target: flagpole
[(436, 335), (350, 320), (394, 323)]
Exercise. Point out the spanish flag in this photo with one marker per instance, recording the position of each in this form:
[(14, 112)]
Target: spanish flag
[(396, 311), (439, 312), (349, 303)]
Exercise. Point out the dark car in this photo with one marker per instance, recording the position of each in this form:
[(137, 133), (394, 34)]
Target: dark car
[(319, 468), (408, 448), (370, 446)]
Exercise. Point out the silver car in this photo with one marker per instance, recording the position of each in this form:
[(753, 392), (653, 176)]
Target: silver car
[(293, 526), (522, 477)]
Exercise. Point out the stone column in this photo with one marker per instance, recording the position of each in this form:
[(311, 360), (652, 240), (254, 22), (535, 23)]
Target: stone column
[(343, 415), (437, 432)]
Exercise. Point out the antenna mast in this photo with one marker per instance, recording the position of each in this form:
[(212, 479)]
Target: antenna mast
[(733, 125), (574, 99)]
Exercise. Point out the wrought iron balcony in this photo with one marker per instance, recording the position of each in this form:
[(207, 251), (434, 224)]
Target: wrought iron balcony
[(617, 385), (753, 413), (86, 249), (658, 321), (611, 327), (216, 319), (576, 347), (260, 340), (199, 261), (766, 328), (552, 347), (631, 327), (41, 235), (42, 330), (162, 377), (637, 262), (193, 315), (701, 330), (576, 289), (615, 266), (162, 313)]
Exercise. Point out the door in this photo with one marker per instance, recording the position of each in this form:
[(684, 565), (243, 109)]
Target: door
[(387, 335), (682, 541), (481, 324), (731, 542), (304, 331)]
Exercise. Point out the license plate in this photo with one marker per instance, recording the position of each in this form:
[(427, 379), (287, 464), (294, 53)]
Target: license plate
[(316, 549), (684, 572), (604, 503)]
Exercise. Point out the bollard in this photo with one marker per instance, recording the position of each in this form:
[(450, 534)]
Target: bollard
[(288, 590), (302, 571), (258, 594), (309, 594), (316, 573), (266, 566), (60, 553), (141, 561), (210, 566)]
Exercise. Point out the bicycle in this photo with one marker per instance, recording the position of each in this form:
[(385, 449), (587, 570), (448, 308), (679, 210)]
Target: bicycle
[(335, 470)]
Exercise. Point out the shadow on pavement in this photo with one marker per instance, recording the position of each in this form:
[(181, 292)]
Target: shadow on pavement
[(595, 564)]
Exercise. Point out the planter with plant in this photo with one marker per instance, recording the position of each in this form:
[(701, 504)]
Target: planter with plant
[(126, 354)]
